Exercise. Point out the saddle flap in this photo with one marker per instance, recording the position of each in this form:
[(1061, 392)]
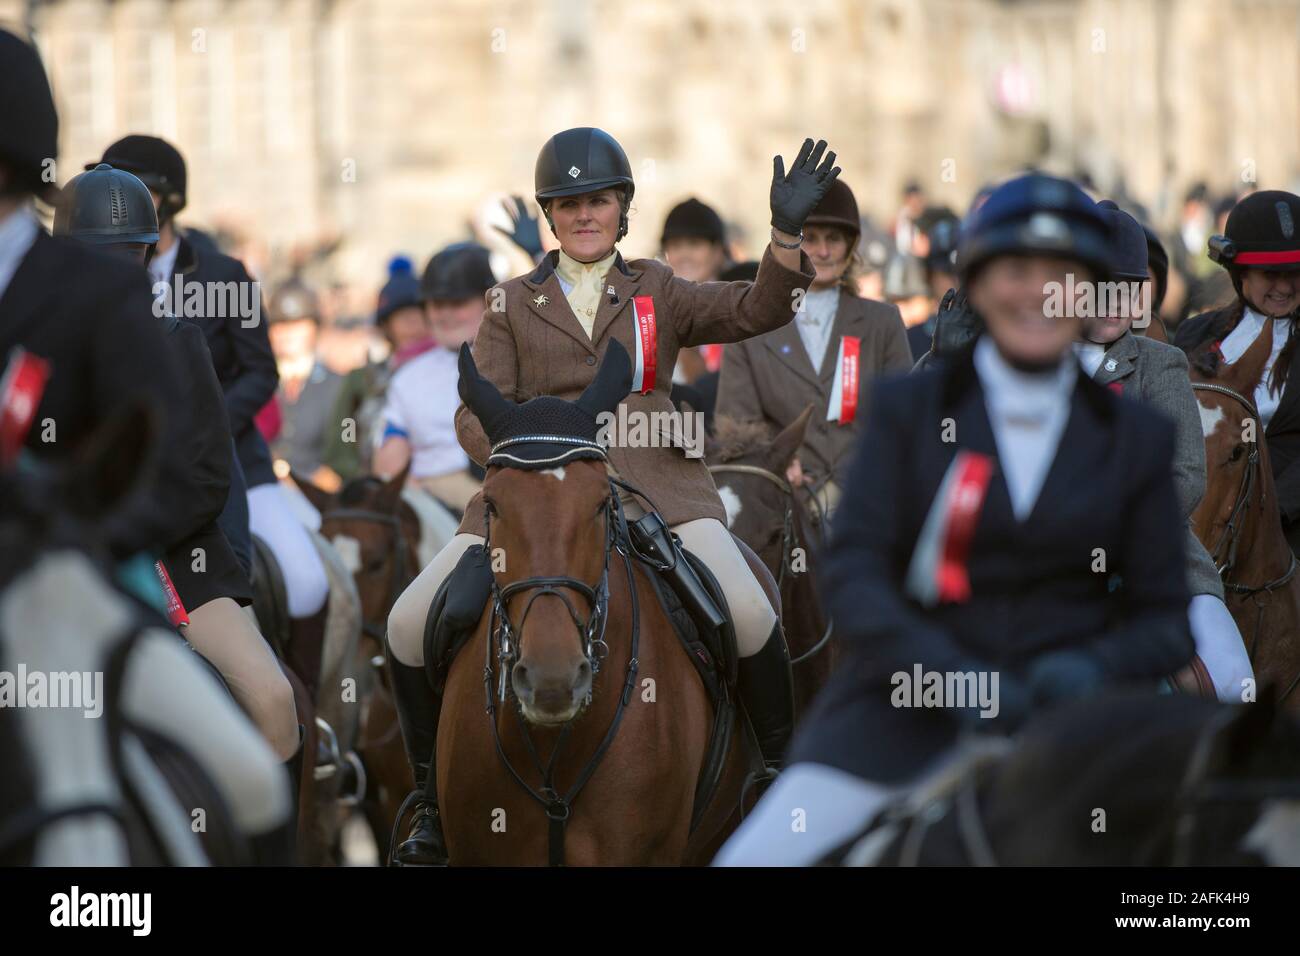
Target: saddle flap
[(454, 612)]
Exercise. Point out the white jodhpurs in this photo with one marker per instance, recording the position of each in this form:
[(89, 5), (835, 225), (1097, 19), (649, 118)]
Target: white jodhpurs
[(274, 517), (809, 811), (707, 538), (1220, 647)]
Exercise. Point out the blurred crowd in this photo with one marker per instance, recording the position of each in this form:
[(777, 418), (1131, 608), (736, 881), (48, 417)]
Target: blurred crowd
[(337, 347)]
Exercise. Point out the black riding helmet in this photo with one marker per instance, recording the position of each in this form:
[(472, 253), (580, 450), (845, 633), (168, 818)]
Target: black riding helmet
[(107, 206), (460, 271), (158, 163), (1262, 232), (29, 123), (582, 160)]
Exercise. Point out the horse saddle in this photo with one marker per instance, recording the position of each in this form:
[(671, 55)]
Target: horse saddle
[(270, 598)]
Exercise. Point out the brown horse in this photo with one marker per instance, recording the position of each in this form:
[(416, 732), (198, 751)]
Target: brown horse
[(770, 516), (377, 533), (597, 724), (1238, 520)]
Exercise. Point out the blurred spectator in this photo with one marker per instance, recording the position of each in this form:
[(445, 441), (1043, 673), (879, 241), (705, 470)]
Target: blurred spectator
[(308, 390)]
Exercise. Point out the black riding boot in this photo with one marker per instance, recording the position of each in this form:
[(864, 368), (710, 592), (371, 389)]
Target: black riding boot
[(417, 713), (766, 688), (294, 768)]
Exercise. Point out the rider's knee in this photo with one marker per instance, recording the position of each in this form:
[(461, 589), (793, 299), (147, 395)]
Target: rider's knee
[(753, 617), (278, 717), (406, 628), (306, 584)]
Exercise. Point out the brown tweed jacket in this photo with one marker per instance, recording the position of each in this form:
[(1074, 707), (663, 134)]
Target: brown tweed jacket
[(770, 379), (531, 344)]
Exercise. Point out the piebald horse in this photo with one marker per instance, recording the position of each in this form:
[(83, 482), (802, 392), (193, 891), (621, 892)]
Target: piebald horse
[(596, 723), (1238, 520), (773, 518)]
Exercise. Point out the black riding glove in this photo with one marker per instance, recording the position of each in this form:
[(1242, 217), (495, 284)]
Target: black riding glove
[(956, 325), (1064, 675), (1009, 704), (796, 194), (525, 234)]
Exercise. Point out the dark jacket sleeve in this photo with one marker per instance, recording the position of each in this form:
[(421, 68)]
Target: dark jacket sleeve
[(870, 549), (258, 377), (1154, 638), (195, 464)]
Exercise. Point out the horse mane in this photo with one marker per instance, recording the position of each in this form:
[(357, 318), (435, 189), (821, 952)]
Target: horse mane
[(1206, 359), (734, 439)]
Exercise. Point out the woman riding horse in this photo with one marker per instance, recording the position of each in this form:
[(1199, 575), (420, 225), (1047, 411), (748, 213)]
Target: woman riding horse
[(544, 333), (1151, 371), (771, 378), (969, 575), (1261, 251), (112, 209)]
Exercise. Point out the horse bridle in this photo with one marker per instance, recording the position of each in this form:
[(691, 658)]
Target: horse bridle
[(789, 536), (1232, 529), (401, 576), (504, 644)]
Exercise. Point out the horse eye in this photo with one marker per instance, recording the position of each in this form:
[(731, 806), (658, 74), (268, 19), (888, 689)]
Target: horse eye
[(1237, 452)]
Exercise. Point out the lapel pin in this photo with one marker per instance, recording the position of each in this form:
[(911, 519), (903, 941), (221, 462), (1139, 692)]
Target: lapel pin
[(1110, 365), (541, 300), (785, 350)]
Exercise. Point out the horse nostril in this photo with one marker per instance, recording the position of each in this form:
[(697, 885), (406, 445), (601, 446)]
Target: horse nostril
[(519, 676), (584, 672)]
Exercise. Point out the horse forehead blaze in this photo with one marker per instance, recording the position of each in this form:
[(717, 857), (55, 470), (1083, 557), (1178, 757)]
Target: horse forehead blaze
[(1211, 417)]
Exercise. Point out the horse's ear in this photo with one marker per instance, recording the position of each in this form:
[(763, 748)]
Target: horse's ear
[(788, 442), (320, 499), (115, 462), (1246, 730), (391, 494), (479, 395), (612, 382)]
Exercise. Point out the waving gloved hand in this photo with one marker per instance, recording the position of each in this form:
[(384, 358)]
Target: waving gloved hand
[(525, 233), (1064, 675), (795, 194), (956, 324), (1006, 711)]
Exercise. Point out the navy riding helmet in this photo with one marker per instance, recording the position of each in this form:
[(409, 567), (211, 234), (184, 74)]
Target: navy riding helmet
[(1037, 214)]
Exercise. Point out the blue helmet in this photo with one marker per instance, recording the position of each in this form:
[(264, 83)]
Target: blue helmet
[(400, 291), (1036, 214)]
